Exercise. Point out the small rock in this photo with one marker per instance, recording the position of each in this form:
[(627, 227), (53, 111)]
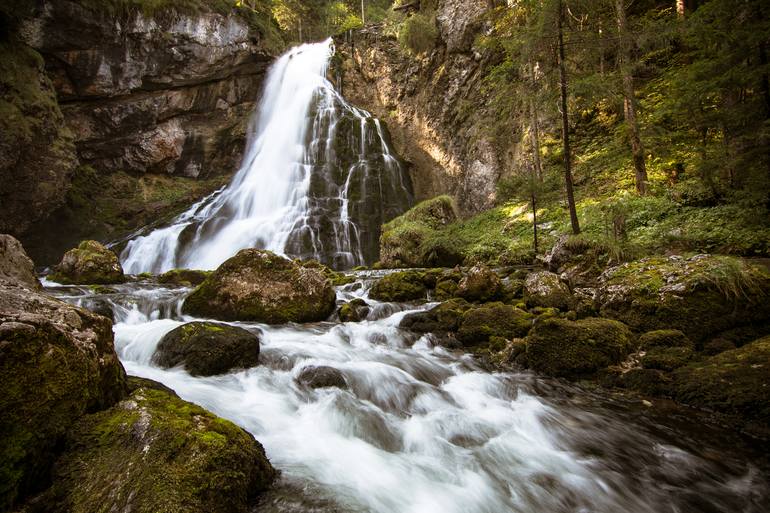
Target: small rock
[(355, 310), (544, 288), (480, 284), (90, 263), (321, 377)]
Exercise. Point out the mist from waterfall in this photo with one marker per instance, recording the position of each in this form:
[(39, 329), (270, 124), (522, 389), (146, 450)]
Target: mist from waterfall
[(317, 179)]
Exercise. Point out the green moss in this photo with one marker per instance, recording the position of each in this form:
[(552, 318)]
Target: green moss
[(400, 286), (183, 277), (478, 325), (445, 317), (666, 358), (664, 338), (735, 383), (156, 452), (559, 347)]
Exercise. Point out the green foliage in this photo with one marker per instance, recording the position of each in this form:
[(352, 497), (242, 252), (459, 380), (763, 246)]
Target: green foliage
[(418, 33)]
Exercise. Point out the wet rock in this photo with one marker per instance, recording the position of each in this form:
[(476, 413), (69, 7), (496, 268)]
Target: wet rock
[(478, 325), (208, 348), (90, 263), (183, 277), (400, 286), (700, 296), (57, 362), (734, 383), (354, 311), (257, 285), (321, 377), (480, 284), (544, 288), (155, 452), (15, 265), (559, 347), (439, 319)]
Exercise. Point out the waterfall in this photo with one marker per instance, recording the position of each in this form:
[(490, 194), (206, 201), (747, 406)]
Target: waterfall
[(317, 180)]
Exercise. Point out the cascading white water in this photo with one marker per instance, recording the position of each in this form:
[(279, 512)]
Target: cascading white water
[(269, 203), (420, 429)]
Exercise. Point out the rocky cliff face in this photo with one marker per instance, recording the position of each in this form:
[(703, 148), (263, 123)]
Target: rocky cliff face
[(434, 104), (150, 101)]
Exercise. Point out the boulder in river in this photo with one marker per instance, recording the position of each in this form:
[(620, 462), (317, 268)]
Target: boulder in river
[(701, 295), (57, 362), (15, 265), (439, 319), (559, 347), (257, 285), (321, 376), (155, 452), (208, 348), (479, 325), (400, 286), (89, 263), (354, 310), (183, 277)]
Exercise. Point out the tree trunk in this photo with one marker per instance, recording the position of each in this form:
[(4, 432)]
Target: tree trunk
[(534, 126), (534, 220), (624, 57), (565, 125)]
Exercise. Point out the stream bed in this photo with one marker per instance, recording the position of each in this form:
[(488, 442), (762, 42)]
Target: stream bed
[(422, 429)]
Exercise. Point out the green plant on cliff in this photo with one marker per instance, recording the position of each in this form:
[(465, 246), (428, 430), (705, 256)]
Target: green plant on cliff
[(418, 33)]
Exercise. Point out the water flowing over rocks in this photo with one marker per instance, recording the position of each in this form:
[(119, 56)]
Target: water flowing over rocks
[(257, 285)]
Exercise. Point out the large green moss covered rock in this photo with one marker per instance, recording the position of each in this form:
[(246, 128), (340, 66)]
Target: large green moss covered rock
[(402, 239), (57, 362), (354, 310), (257, 285), (735, 383), (545, 289), (90, 263), (479, 325), (154, 452), (700, 296), (400, 286), (208, 348), (559, 347), (15, 265)]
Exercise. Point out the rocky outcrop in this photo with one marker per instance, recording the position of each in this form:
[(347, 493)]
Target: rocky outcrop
[(154, 452), (257, 285), (208, 348), (701, 295), (15, 265), (57, 362), (164, 92), (89, 263), (434, 104)]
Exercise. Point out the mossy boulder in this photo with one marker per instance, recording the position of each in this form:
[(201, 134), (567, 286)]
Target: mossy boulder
[(261, 286), (15, 265), (183, 277), (577, 259), (321, 376), (544, 288), (735, 383), (700, 296), (208, 348), (480, 283), (666, 358), (664, 338), (402, 239), (559, 347), (90, 263), (478, 325), (400, 286), (354, 310), (57, 362), (441, 318), (155, 452)]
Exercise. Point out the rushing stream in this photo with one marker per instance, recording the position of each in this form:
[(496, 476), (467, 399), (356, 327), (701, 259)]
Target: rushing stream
[(422, 429)]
